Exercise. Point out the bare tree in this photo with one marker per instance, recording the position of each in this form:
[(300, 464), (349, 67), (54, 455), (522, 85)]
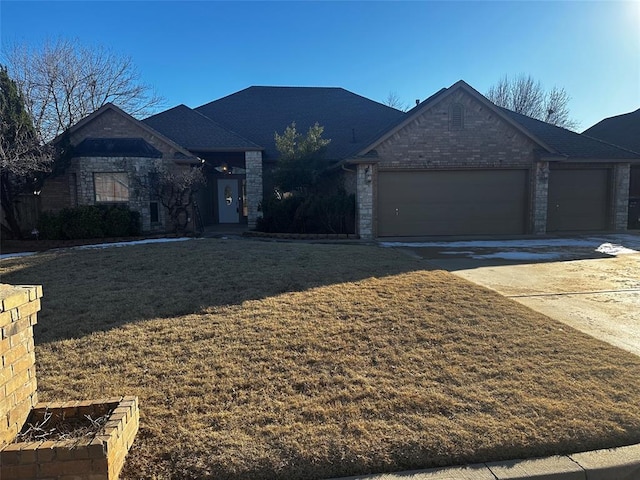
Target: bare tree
[(393, 100), (527, 96), (63, 81), (174, 188)]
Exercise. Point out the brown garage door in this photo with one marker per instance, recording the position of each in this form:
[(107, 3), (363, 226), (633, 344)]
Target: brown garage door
[(464, 202), (578, 200)]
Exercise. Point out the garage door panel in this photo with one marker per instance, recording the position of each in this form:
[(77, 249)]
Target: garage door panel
[(452, 202), (578, 200)]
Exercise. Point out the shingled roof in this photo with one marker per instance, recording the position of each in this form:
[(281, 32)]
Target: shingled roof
[(622, 130), (116, 147), (196, 132), (350, 121), (568, 143)]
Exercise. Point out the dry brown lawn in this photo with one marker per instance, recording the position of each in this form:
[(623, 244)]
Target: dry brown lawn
[(282, 360)]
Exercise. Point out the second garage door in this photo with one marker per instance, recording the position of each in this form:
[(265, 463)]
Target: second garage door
[(578, 200), (461, 202)]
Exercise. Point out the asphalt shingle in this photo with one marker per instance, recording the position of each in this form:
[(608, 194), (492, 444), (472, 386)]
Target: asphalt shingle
[(116, 147), (622, 130), (568, 143), (196, 132), (350, 121)]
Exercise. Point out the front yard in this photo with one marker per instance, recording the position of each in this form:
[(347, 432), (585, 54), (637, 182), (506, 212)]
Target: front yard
[(281, 360)]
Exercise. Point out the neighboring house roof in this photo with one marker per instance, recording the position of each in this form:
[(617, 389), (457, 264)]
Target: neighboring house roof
[(622, 130), (350, 121), (196, 132), (571, 144), (116, 147)]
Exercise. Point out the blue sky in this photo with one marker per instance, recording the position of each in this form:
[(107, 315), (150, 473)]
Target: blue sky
[(193, 52)]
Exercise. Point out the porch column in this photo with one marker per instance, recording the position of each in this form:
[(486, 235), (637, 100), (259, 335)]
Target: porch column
[(253, 166), (540, 198), (364, 200), (621, 179)]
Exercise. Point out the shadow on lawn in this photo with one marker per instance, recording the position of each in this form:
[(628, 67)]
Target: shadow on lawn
[(100, 289)]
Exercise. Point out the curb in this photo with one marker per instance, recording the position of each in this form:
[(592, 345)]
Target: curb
[(621, 463)]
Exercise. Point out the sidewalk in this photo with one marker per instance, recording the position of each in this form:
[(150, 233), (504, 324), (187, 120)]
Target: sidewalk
[(613, 464)]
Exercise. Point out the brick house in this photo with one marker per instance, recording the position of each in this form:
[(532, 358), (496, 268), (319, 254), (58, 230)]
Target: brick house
[(455, 164)]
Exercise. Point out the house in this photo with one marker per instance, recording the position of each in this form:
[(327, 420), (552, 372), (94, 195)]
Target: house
[(235, 137), (624, 131), (110, 151), (455, 164)]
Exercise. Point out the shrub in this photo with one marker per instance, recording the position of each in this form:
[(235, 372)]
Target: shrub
[(314, 213), (89, 221), (119, 221)]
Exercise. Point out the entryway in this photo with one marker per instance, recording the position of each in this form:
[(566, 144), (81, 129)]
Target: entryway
[(229, 200)]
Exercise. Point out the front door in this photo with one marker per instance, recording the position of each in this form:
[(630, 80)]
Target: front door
[(228, 201)]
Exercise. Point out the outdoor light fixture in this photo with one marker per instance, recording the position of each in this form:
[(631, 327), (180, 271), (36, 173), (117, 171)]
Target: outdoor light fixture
[(223, 168), (367, 174)]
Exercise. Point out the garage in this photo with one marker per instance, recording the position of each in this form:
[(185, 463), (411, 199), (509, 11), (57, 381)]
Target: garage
[(578, 200), (452, 202)]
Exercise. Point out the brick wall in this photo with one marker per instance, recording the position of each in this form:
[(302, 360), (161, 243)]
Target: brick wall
[(18, 314), (429, 142)]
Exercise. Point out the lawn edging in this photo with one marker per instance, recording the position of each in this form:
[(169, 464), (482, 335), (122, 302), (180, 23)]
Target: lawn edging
[(608, 464)]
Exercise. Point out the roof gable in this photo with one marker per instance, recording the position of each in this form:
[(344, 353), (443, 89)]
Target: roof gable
[(350, 121), (196, 132), (555, 141), (181, 154), (438, 97)]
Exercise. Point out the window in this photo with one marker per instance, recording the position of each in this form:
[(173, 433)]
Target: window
[(154, 212), (111, 187), (456, 117)]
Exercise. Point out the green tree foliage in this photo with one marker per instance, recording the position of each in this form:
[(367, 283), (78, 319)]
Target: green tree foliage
[(22, 154), (300, 164), (308, 198)]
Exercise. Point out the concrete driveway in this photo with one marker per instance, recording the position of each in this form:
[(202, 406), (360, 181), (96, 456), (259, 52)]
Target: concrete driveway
[(591, 283)]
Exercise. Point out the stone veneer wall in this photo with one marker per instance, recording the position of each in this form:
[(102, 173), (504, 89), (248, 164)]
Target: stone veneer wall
[(253, 166), (136, 167), (18, 387), (620, 204), (539, 198), (365, 174)]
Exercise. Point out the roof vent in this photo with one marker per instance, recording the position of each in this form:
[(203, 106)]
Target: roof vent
[(417, 102)]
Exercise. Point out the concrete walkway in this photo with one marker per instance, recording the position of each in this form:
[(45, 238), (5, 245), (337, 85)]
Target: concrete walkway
[(613, 464)]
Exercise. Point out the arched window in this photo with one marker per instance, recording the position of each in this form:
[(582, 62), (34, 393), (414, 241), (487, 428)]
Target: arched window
[(456, 117)]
